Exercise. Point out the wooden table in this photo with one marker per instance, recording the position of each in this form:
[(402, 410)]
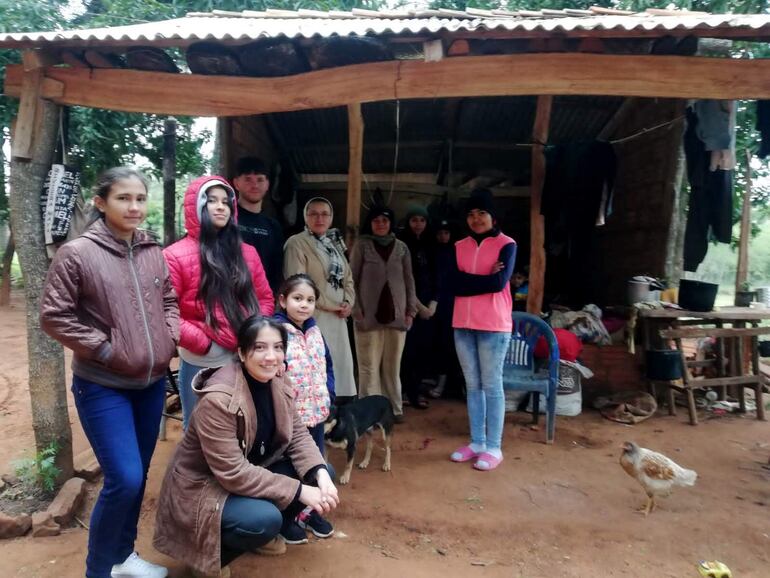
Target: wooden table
[(660, 326)]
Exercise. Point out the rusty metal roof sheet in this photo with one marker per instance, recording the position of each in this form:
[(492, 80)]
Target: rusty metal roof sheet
[(250, 25), (486, 133)]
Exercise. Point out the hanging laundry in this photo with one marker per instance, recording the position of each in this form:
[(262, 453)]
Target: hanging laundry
[(710, 210), (577, 196)]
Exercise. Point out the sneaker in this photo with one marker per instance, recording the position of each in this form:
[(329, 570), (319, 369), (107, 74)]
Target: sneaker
[(136, 567), (293, 534), (274, 547), (316, 523), (398, 418)]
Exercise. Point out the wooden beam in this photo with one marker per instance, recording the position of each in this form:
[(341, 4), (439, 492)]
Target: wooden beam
[(411, 188), (356, 142), (698, 332), (537, 224), (497, 75), (620, 116), (23, 140)]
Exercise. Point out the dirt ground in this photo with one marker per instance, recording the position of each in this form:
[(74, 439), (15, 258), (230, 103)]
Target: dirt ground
[(565, 510)]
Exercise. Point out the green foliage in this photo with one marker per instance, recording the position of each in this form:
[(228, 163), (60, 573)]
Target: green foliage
[(721, 261), (39, 473), (100, 139)]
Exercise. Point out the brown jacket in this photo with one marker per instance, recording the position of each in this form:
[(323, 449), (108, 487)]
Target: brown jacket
[(208, 465), (113, 305), (370, 273)]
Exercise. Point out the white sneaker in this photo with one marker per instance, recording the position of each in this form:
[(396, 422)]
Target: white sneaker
[(135, 567)]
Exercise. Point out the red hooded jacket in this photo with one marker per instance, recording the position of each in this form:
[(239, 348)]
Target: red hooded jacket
[(183, 258)]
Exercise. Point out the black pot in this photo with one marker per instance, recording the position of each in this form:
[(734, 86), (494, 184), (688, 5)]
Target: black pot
[(764, 348), (697, 295), (664, 364), (744, 298)]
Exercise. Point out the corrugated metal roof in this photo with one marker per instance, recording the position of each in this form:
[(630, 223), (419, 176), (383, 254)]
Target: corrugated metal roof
[(245, 26), (484, 133)]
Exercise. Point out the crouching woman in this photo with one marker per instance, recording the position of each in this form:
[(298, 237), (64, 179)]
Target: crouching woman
[(246, 465)]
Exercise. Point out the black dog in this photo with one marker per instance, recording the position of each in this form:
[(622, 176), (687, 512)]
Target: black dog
[(347, 423)]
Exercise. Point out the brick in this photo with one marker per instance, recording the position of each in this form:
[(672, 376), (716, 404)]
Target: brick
[(14, 526), (86, 466), (43, 525), (67, 501)]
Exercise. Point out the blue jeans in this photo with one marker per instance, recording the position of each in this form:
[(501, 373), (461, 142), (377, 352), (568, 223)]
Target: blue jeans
[(481, 355), (187, 397), (122, 427), (248, 523)]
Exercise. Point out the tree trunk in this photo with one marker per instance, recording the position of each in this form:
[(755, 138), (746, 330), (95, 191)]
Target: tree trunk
[(5, 286), (675, 242), (47, 390), (742, 271), (169, 181)]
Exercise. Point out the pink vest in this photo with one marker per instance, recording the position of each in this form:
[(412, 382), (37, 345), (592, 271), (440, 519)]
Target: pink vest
[(490, 311)]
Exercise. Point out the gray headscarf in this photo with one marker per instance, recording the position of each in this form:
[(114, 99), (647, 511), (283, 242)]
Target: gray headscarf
[(330, 245)]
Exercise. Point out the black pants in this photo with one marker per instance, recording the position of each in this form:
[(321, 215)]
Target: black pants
[(416, 361), (711, 199), (248, 523)]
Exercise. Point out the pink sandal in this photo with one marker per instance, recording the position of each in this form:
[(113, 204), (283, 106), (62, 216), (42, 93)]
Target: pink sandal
[(463, 454), (487, 462)]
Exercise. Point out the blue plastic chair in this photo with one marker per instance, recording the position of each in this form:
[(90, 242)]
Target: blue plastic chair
[(521, 372)]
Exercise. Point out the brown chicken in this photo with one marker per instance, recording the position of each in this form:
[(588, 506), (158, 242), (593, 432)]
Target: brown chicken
[(656, 473)]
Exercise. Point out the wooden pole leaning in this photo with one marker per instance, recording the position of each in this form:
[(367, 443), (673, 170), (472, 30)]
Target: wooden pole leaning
[(536, 222)]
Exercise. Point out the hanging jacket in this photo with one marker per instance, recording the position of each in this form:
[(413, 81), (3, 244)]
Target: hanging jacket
[(309, 368), (483, 300), (113, 305), (183, 258)]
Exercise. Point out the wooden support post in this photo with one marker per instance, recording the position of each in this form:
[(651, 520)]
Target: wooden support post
[(742, 272), (169, 181), (356, 143), (537, 225), (29, 107), (223, 149)]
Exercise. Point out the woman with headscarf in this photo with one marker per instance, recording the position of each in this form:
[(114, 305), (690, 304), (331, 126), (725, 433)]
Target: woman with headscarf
[(319, 252), (385, 308)]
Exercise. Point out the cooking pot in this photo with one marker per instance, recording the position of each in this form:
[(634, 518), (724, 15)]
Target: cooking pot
[(697, 295)]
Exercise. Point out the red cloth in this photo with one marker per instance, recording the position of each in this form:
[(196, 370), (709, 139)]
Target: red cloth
[(570, 346), (184, 265)]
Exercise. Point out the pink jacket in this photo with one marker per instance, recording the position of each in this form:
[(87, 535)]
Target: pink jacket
[(183, 258), (490, 311)]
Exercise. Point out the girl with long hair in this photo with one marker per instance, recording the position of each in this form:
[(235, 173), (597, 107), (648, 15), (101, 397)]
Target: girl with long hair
[(220, 282), (109, 299), (246, 466)]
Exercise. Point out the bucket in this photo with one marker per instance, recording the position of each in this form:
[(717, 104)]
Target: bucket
[(638, 291), (763, 295), (764, 348), (664, 364), (697, 295), (744, 298)]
